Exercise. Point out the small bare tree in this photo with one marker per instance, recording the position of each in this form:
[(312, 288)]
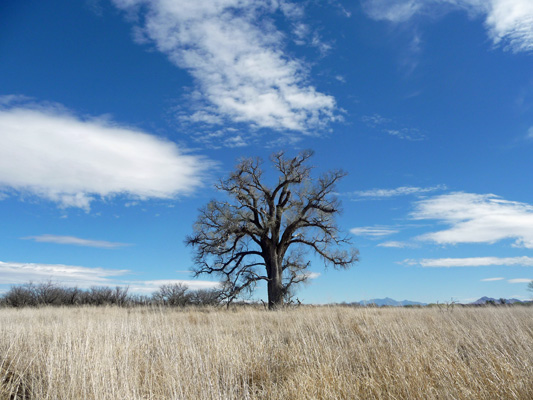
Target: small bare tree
[(262, 233), (172, 294)]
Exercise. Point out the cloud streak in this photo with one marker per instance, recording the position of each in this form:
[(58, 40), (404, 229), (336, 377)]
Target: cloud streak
[(520, 280), (151, 286), (236, 55), (395, 244), (399, 191), (509, 23), (373, 231), (72, 161), (71, 240), (391, 128), (19, 273), (472, 262), (477, 218), (310, 275)]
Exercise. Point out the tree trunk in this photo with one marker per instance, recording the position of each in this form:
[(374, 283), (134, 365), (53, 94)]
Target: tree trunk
[(275, 284), (275, 294)]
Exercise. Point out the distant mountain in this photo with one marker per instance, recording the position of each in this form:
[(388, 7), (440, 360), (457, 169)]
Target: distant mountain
[(484, 300), (387, 301)]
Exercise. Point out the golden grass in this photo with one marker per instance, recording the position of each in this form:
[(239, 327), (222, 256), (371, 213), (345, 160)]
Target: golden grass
[(305, 353)]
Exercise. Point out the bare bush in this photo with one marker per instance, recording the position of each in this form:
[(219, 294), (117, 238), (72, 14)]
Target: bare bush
[(172, 294), (52, 294), (103, 295), (205, 297), (20, 296), (48, 293)]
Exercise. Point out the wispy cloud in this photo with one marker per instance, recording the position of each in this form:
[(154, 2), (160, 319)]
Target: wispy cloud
[(75, 241), (472, 262), (411, 134), (304, 35), (373, 231), (9, 99), (17, 273), (235, 141), (411, 54), (509, 23), (391, 128), (151, 286), (399, 191), (311, 275), (374, 120), (392, 10), (477, 218), (58, 156), (237, 57), (520, 280), (394, 244), (84, 277), (492, 279), (530, 133)]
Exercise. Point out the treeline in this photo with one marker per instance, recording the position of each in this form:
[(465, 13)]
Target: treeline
[(53, 294)]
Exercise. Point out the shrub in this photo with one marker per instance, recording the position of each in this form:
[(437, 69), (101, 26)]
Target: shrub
[(172, 294), (52, 294)]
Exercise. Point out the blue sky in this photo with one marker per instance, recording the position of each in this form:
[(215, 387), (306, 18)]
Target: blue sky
[(117, 116)]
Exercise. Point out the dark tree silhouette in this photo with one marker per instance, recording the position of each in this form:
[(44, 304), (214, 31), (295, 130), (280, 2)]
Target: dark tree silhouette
[(262, 233)]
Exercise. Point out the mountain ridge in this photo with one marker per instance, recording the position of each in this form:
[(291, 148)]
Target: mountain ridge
[(485, 300), (387, 301)]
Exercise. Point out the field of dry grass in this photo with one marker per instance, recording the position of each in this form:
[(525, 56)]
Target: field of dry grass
[(304, 353)]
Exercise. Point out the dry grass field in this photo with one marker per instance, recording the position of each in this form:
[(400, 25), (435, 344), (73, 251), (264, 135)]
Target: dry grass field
[(304, 353)]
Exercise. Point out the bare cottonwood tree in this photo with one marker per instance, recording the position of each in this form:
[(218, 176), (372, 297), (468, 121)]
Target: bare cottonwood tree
[(262, 233)]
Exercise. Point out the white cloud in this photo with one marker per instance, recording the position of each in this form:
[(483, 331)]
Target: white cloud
[(400, 191), (530, 133), (492, 279), (17, 273), (472, 262), (152, 286), (374, 231), (235, 141), (390, 127), (520, 280), (392, 10), (84, 277), (375, 120), (406, 133), (477, 218), (509, 22), (311, 275), (72, 161), (394, 244), (75, 241), (236, 55), (8, 99)]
